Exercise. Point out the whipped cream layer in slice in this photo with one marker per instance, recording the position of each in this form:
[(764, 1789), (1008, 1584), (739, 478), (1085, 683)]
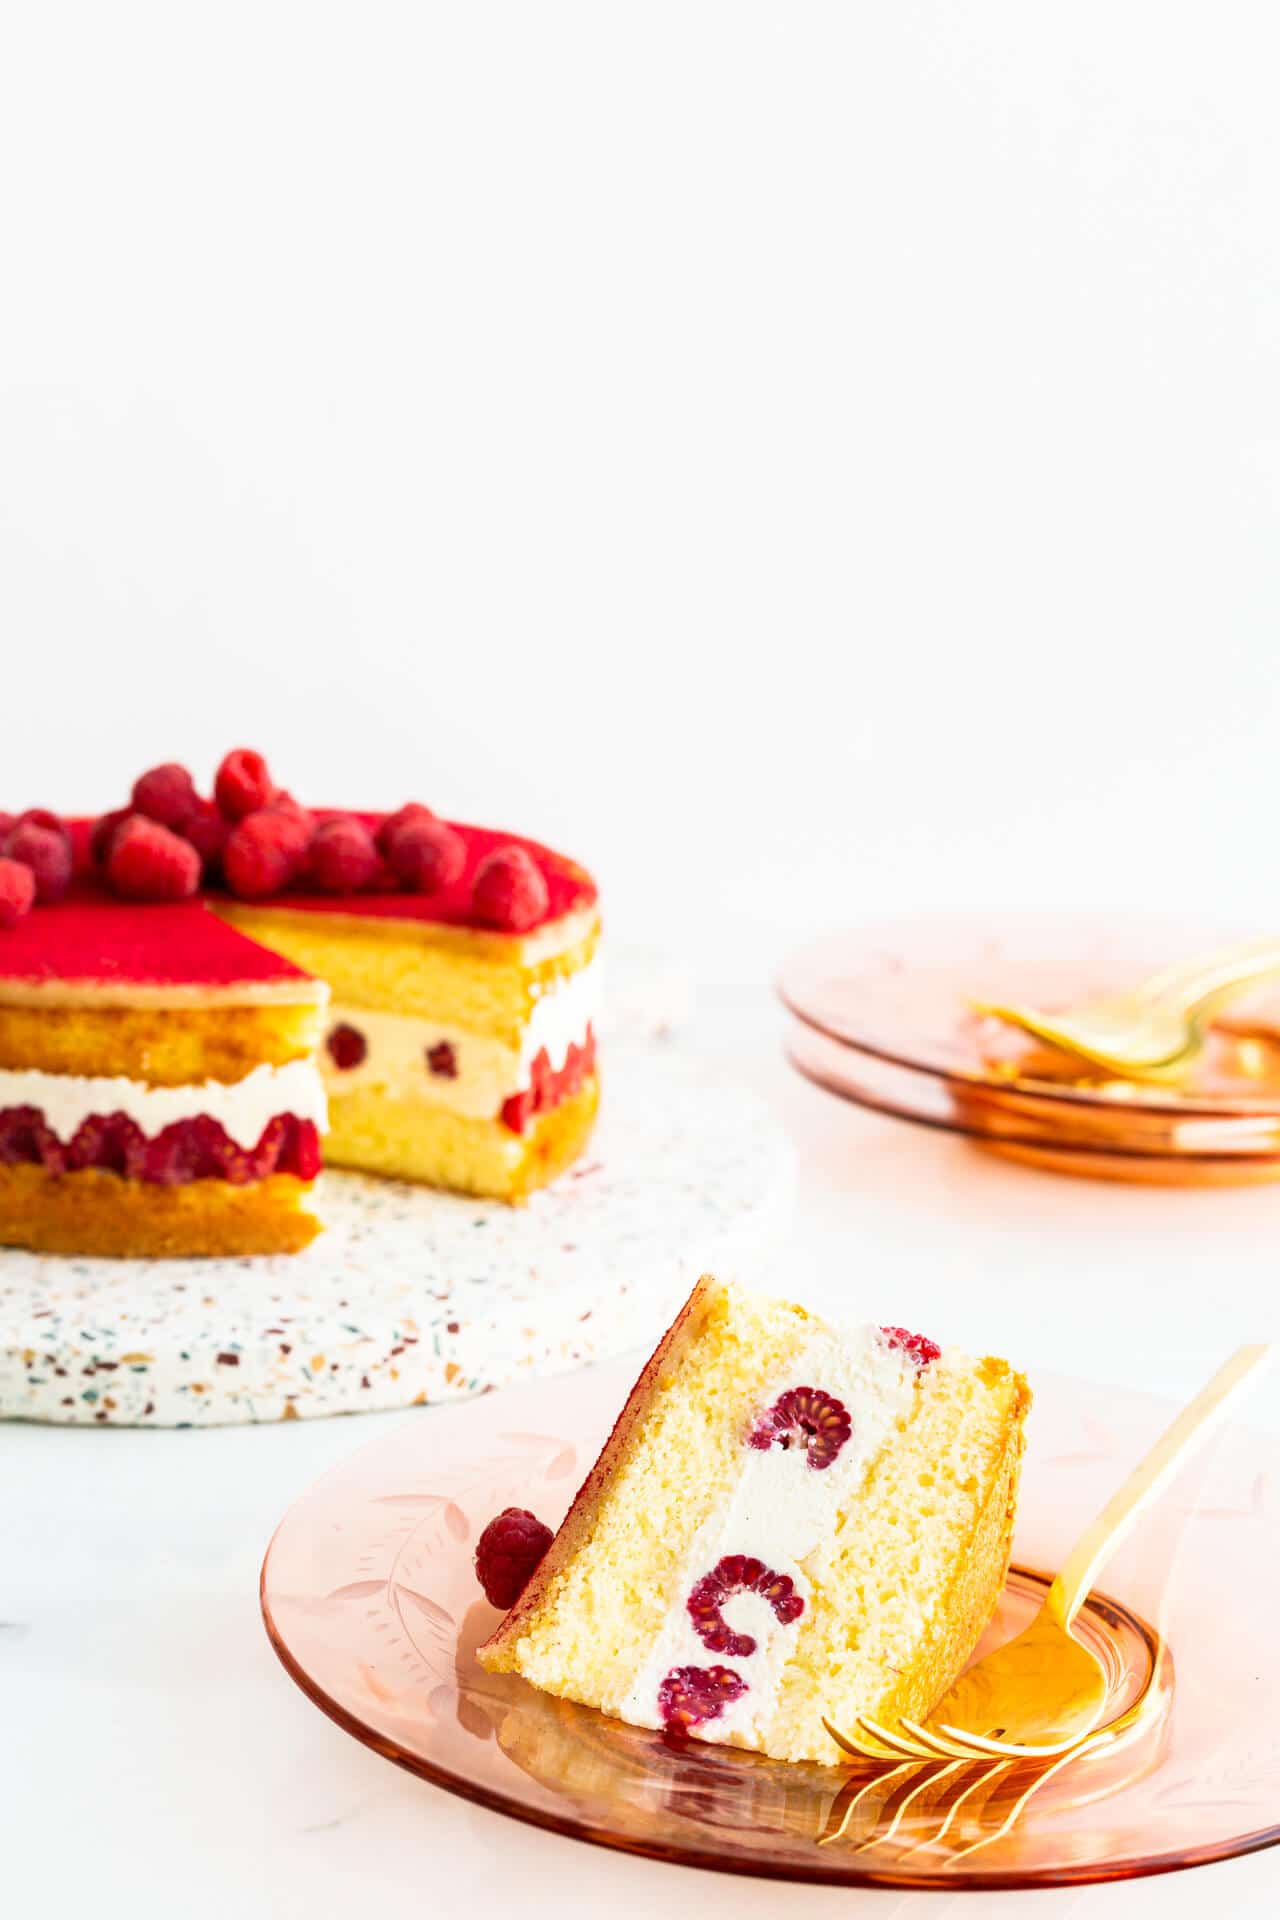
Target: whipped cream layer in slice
[(458, 1068), (782, 1511), (243, 1108)]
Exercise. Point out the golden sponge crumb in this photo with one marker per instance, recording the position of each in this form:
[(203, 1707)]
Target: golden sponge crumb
[(94, 1212), (918, 1565), (416, 1139), (160, 1046), (599, 1616)]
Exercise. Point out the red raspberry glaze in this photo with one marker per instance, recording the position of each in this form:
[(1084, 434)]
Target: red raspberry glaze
[(808, 1417), (690, 1696), (739, 1573), (507, 1554)]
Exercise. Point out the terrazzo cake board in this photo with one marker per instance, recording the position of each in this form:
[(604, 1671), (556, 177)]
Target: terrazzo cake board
[(412, 1296)]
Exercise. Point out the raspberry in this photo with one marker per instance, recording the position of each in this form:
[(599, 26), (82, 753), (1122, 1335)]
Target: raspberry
[(510, 891), (7, 820), (47, 851), (242, 783), (812, 1418), (282, 802), (342, 857), (207, 830), (917, 1346), (27, 1139), (347, 1045), (405, 816), (147, 862), (41, 817), (17, 892), (738, 1573), (263, 854), (442, 1060), (111, 1142), (104, 833), (426, 855), (167, 794), (507, 1553), (690, 1696)]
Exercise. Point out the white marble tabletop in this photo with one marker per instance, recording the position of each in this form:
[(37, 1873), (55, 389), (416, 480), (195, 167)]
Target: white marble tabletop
[(155, 1758)]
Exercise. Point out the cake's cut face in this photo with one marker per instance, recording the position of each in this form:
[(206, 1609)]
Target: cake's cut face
[(145, 1110), (790, 1520), (185, 993)]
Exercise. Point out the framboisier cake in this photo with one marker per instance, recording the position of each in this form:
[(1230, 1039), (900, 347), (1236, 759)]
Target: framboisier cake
[(194, 992), (790, 1520)]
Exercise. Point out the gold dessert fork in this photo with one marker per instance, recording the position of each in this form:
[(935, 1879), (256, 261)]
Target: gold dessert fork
[(1043, 1693), (1156, 1029)]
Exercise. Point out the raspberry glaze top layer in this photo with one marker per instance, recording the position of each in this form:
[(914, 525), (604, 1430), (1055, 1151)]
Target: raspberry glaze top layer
[(132, 951)]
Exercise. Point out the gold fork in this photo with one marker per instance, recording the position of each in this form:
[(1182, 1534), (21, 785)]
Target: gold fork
[(1043, 1693), (1154, 1031)]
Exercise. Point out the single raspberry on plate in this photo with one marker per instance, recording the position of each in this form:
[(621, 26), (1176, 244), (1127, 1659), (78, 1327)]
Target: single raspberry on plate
[(346, 1045), (807, 1417), (690, 1696), (47, 851), (507, 1554), (147, 862), (166, 793), (207, 828), (104, 832), (342, 857), (426, 855), (918, 1347), (17, 891), (263, 854), (510, 890), (242, 783), (402, 817)]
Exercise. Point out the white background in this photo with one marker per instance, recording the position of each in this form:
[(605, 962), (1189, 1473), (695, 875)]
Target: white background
[(807, 460)]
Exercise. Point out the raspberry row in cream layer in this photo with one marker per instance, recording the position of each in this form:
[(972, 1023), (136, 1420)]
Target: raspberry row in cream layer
[(267, 1122), (461, 1070), (746, 1581)]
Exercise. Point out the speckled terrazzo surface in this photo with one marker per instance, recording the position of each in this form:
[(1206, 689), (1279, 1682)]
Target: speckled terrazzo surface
[(411, 1296)]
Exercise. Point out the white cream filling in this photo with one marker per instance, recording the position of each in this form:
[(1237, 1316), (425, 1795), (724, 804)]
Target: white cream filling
[(243, 1107), (488, 1071), (781, 1511)]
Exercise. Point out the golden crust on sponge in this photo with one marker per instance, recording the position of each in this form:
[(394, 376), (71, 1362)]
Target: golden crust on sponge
[(161, 1047), (500, 1652), (102, 1214), (415, 1139)]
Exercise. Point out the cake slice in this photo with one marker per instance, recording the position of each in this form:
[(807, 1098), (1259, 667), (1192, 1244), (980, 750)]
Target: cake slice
[(159, 1092), (790, 1520)]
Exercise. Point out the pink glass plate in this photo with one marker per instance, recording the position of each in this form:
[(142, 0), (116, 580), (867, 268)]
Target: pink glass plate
[(899, 993), (371, 1603)]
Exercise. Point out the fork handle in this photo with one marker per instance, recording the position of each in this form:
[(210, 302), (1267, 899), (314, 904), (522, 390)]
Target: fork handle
[(1193, 985), (1170, 1453)]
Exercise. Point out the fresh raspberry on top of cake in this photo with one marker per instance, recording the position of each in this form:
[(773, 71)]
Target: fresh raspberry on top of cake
[(46, 850), (242, 783), (426, 855), (342, 857), (263, 854), (147, 862), (510, 890), (166, 793), (17, 891)]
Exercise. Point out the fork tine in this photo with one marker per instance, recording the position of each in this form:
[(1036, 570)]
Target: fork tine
[(896, 1741), (944, 1743), (858, 1749), (981, 1746)]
